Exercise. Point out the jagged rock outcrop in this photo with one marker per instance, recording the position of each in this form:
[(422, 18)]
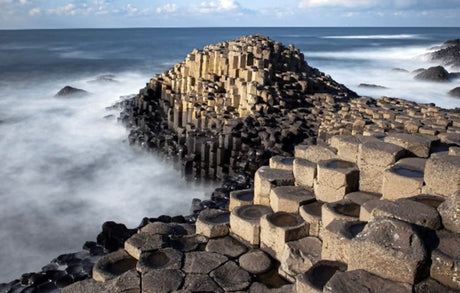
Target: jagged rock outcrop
[(449, 54), (72, 92), (227, 108)]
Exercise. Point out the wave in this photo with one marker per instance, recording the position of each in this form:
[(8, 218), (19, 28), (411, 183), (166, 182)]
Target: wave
[(398, 36)]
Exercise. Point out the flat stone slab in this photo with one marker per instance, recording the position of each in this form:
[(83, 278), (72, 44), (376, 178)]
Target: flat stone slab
[(314, 153), (166, 259), (126, 282), (432, 286), (200, 283), (256, 262), (446, 260), (360, 197), (227, 245), (359, 281), (289, 198), (379, 153), (388, 241), (261, 288), (142, 242), (168, 228), (112, 265), (450, 213), (417, 144), (202, 262), (408, 211), (162, 281), (188, 243), (231, 277)]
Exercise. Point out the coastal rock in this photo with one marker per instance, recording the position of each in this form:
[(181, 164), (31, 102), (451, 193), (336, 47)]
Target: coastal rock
[(72, 92), (455, 92), (371, 86), (450, 213), (446, 260), (162, 281), (202, 262), (255, 261), (449, 54), (231, 277), (227, 245), (436, 73)]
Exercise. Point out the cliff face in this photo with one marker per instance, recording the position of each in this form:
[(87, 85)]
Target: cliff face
[(228, 107)]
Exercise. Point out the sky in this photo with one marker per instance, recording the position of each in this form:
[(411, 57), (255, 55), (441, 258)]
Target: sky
[(24, 14)]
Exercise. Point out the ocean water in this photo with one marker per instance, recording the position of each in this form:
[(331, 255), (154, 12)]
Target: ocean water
[(65, 169)]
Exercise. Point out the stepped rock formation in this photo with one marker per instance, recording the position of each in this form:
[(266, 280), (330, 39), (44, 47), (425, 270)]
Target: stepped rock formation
[(225, 109)]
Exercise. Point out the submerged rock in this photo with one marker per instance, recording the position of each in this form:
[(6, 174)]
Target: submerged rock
[(69, 91), (104, 79), (372, 86), (449, 54), (437, 74), (455, 92)]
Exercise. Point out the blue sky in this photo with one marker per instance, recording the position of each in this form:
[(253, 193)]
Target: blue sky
[(18, 14)]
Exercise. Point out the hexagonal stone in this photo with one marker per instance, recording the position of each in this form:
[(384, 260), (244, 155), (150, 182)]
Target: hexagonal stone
[(304, 172), (360, 197), (374, 157), (300, 255), (417, 144), (280, 162), (166, 259), (213, 223), (347, 147), (200, 283), (162, 281), (388, 241), (408, 211), (337, 238), (226, 245), (335, 178), (290, 198), (261, 288), (278, 228), (142, 242), (429, 200), (231, 277), (403, 179), (442, 175), (314, 153), (126, 282), (311, 213), (359, 281), (446, 260), (318, 275), (255, 261), (202, 262), (267, 178), (340, 210), (113, 265), (245, 222), (450, 211), (241, 198)]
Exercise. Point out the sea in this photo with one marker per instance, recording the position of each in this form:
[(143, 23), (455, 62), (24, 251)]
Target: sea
[(65, 164)]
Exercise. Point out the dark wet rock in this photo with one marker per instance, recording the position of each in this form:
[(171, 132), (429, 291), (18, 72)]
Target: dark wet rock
[(371, 86), (114, 235), (104, 79), (455, 92), (449, 54), (419, 70), (437, 74), (64, 281), (399, 70), (231, 277), (69, 91)]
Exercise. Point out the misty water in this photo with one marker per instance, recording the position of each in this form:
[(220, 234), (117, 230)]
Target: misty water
[(65, 169)]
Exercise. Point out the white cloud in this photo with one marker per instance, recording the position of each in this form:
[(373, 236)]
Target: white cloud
[(131, 10), (35, 11), (359, 3), (219, 6), (69, 10), (23, 2), (167, 8)]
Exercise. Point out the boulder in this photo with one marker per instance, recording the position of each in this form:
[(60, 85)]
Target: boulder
[(388, 241), (300, 255), (450, 213), (436, 73), (359, 281), (448, 54), (71, 92), (455, 92)]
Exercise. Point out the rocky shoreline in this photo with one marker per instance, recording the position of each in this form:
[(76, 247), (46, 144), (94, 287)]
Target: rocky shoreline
[(342, 170)]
